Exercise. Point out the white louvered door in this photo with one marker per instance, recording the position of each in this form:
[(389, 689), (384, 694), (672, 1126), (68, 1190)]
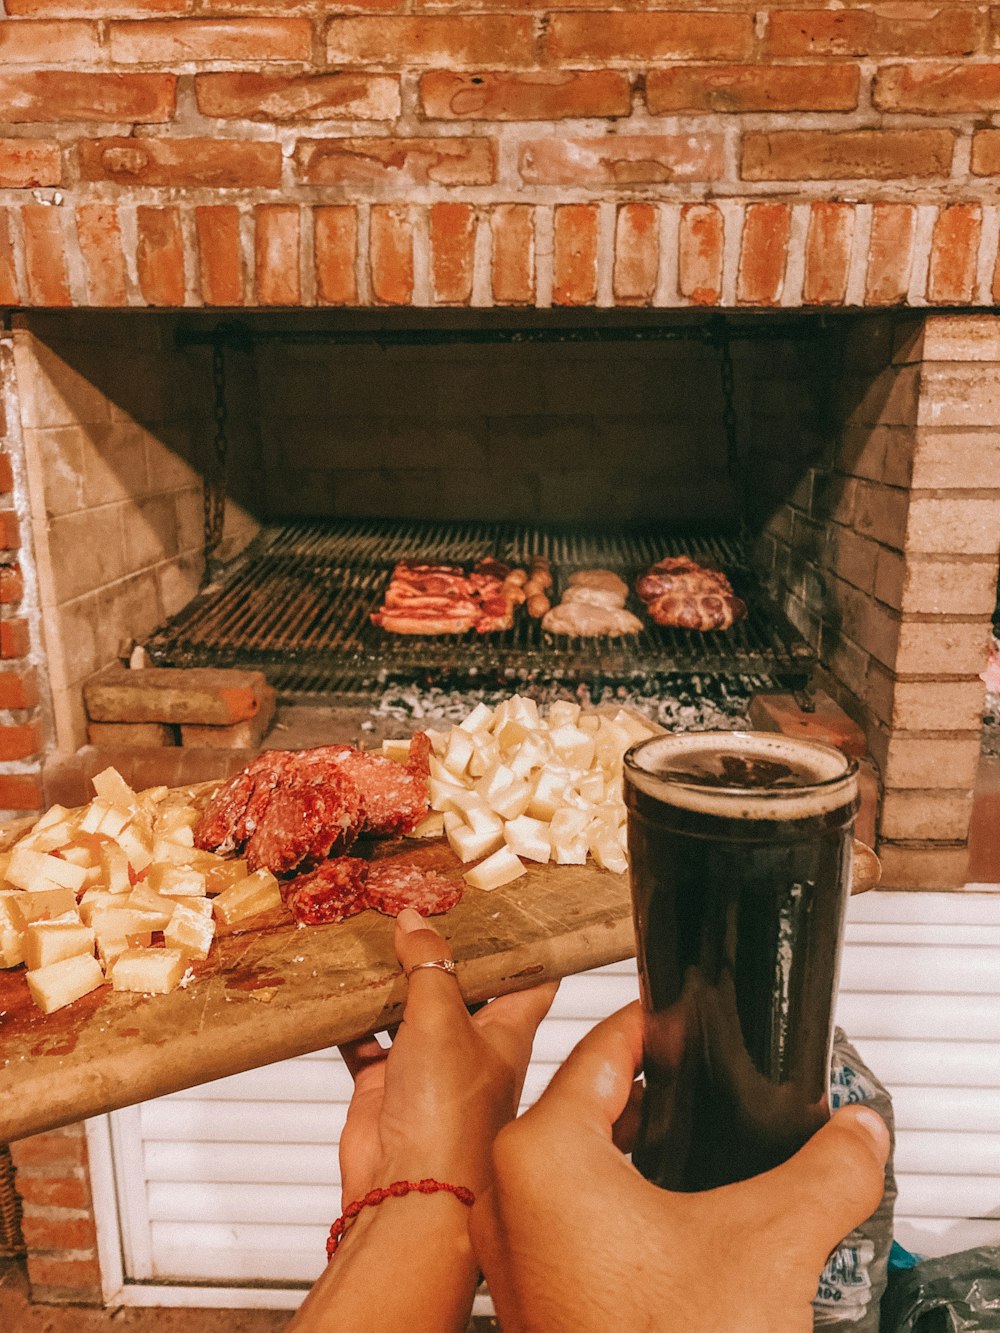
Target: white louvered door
[(237, 1182)]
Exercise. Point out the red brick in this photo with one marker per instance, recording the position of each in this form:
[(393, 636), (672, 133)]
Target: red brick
[(8, 274), (63, 1148), (574, 277), (28, 162), (19, 742), (763, 254), (278, 97), (183, 41), (397, 163), (403, 41), (700, 253), (49, 95), (101, 247), (828, 253), (954, 251), (6, 474), (623, 160), (10, 535), (512, 265), (734, 88), (549, 95), (926, 30), (56, 42), (159, 255), (20, 791), (890, 252), (618, 38), (14, 639), (277, 248), (938, 89), (790, 155), (45, 255), (219, 163), (391, 255), (986, 153), (336, 254), (18, 689), (58, 1233), (63, 1275), (453, 238), (97, 8), (637, 253), (53, 1192), (220, 254)]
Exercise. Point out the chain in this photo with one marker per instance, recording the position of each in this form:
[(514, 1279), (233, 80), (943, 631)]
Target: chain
[(734, 460), (214, 494)]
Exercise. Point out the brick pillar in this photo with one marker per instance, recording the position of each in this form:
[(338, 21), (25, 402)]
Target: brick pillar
[(53, 1181)]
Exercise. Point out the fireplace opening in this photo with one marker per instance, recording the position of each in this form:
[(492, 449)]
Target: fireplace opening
[(186, 482)]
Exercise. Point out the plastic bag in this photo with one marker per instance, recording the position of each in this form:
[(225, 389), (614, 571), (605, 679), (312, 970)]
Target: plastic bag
[(959, 1293), (852, 1283)]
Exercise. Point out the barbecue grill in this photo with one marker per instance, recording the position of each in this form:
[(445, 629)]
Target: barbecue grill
[(297, 606)]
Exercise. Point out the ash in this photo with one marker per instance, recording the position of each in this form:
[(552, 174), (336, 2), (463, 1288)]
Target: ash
[(679, 703)]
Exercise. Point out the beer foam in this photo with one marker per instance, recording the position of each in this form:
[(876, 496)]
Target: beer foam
[(830, 783)]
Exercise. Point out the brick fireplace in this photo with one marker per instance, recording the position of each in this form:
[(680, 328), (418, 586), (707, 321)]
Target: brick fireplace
[(407, 163)]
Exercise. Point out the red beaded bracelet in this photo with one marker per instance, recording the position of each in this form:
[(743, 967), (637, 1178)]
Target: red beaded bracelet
[(394, 1191)]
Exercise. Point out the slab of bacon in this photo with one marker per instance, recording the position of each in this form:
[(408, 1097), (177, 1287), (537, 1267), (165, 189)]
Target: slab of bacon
[(443, 599), (680, 592)]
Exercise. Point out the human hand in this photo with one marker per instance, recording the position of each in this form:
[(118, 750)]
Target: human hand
[(571, 1237), (432, 1104)]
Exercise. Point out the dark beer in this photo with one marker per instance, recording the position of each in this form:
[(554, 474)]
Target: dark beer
[(740, 850)]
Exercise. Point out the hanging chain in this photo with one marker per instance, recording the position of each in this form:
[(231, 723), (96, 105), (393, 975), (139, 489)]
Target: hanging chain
[(734, 459), (215, 477)]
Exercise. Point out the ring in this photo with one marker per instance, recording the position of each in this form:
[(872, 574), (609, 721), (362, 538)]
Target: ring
[(442, 965)]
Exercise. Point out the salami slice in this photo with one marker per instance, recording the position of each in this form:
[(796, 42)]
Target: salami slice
[(395, 798), (390, 887), (309, 814), (334, 892), (418, 760), (237, 804)]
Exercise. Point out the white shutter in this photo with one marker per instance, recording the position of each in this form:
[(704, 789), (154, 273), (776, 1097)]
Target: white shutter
[(237, 1182)]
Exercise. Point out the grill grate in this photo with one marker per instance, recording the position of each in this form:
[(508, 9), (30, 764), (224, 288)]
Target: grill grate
[(297, 605)]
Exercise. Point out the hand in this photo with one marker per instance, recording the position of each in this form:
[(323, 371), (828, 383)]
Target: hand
[(571, 1237), (433, 1103)]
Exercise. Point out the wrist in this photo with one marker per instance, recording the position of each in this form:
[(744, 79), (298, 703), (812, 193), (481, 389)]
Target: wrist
[(410, 1220)]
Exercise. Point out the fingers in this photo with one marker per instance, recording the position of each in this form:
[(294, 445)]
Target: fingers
[(594, 1085), (626, 1127), (433, 995), (835, 1182), (361, 1055), (520, 1010)]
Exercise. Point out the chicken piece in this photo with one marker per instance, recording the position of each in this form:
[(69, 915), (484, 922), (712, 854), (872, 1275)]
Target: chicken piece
[(587, 620), (603, 580), (614, 601)]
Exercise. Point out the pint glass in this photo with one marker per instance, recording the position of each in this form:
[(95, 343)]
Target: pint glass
[(740, 849)]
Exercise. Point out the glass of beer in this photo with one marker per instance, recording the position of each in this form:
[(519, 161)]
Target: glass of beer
[(740, 847)]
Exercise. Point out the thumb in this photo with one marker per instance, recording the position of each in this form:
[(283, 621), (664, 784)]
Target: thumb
[(832, 1184)]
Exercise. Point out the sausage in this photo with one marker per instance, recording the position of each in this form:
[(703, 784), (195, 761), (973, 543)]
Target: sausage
[(538, 605)]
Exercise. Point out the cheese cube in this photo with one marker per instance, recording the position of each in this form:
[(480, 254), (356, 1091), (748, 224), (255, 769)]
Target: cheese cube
[(4, 863), (203, 906), (174, 820), (533, 753), (485, 753), (249, 897), (155, 910), (112, 788), (549, 793), (637, 728), (430, 827), (174, 880), (137, 846), (575, 747), (38, 870), (149, 971), (469, 844), (175, 850), (224, 873), (458, 752), (80, 855), (100, 817), (476, 813), (190, 932), (54, 835), (605, 848), (56, 814), (398, 750), (48, 942), (563, 713), (499, 869), (61, 983), (44, 904), (511, 734), (480, 719), (97, 900), (111, 947), (114, 865), (11, 947), (529, 838), (11, 916), (590, 723), (122, 923), (569, 840), (441, 792)]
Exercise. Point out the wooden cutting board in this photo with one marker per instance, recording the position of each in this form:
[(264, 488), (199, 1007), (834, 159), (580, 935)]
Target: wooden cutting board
[(278, 990)]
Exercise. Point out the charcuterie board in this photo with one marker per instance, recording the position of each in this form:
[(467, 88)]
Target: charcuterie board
[(273, 990)]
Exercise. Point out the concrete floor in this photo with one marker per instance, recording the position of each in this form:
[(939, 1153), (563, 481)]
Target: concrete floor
[(18, 1315)]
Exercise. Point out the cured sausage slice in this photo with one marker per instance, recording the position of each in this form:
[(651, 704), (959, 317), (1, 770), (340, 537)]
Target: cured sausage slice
[(307, 815), (391, 887), (334, 892), (234, 810), (418, 761), (395, 798)]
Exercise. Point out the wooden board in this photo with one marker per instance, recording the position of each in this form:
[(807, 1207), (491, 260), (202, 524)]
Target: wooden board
[(280, 990)]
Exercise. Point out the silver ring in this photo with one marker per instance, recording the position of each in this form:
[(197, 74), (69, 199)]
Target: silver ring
[(442, 965)]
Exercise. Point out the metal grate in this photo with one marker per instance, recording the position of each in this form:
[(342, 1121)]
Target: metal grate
[(297, 606)]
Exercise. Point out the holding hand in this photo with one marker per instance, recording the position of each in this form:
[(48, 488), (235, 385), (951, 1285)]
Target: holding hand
[(572, 1238)]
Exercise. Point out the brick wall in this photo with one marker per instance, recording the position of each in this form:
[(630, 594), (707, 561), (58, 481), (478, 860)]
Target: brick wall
[(881, 539), (455, 152)]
